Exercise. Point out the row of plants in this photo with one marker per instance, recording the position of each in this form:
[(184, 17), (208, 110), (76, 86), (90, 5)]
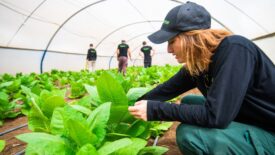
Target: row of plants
[(12, 99), (93, 118)]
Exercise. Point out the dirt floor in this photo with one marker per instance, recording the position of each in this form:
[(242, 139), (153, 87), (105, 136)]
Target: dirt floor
[(14, 146), (168, 140)]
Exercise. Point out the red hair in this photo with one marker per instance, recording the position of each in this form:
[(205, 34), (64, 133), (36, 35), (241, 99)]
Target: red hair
[(198, 47)]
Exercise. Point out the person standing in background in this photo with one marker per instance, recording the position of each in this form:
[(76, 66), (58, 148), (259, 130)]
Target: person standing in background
[(91, 58), (123, 52), (147, 53)]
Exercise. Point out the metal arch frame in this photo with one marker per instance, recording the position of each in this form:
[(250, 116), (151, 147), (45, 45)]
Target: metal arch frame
[(53, 36), (139, 22), (154, 21), (109, 34), (249, 17), (50, 41), (269, 35), (40, 4)]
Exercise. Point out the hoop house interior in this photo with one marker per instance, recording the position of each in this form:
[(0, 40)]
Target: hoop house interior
[(41, 35)]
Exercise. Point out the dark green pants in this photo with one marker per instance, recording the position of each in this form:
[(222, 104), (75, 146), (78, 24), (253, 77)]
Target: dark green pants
[(237, 138)]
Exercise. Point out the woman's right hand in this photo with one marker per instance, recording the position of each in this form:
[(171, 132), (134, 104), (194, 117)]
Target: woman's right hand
[(139, 110)]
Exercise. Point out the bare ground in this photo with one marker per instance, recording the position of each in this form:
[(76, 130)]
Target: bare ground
[(13, 145)]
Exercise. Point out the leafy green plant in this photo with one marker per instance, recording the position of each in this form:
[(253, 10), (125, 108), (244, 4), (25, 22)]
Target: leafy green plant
[(8, 109), (77, 89), (121, 123), (2, 145), (75, 134), (78, 127), (109, 90), (42, 108)]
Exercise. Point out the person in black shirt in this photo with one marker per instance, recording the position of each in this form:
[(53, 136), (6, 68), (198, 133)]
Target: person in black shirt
[(147, 53), (123, 52), (91, 58), (236, 114)]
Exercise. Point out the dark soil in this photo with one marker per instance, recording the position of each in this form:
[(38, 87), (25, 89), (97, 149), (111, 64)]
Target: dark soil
[(13, 145), (168, 140)]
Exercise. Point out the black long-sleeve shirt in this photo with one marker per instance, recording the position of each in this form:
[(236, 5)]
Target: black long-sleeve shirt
[(239, 86)]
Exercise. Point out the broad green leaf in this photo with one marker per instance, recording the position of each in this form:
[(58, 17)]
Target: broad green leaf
[(153, 150), (42, 108), (82, 109), (57, 121), (87, 149), (49, 104), (85, 101), (134, 93), (111, 147), (70, 113), (61, 92), (94, 94), (36, 89), (163, 126), (117, 114), (133, 148), (123, 127), (5, 106), (146, 134), (4, 98), (45, 144), (28, 92), (60, 117), (110, 90), (37, 121), (77, 89), (98, 119), (44, 94), (126, 85), (14, 86), (8, 109), (5, 84), (128, 118), (137, 128), (80, 133), (116, 136), (2, 145)]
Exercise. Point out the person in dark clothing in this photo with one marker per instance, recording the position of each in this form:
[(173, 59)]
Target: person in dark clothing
[(91, 58), (123, 52), (147, 52), (236, 114)]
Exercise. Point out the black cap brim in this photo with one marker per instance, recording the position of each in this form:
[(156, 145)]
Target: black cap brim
[(161, 36)]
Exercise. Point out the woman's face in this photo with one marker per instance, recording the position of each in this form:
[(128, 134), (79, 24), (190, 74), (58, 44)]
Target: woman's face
[(174, 47)]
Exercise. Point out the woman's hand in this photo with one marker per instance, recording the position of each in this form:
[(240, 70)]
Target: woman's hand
[(139, 110)]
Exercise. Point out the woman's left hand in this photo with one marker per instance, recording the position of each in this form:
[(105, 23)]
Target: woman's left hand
[(139, 110)]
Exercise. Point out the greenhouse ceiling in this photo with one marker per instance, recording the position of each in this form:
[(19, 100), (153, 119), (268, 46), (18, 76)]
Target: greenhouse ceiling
[(69, 26)]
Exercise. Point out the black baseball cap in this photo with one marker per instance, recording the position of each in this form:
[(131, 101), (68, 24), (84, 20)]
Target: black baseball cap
[(182, 18)]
